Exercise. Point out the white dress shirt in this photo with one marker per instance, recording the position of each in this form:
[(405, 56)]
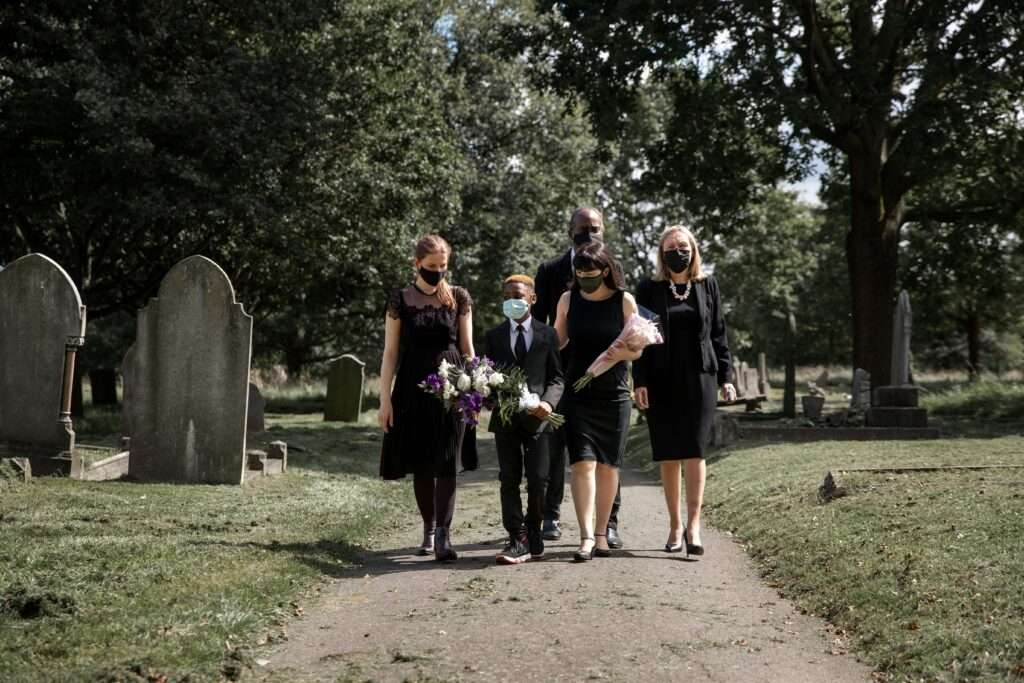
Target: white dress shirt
[(527, 333)]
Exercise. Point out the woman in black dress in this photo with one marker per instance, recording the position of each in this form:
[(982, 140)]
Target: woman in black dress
[(426, 322), (677, 382), (592, 315)]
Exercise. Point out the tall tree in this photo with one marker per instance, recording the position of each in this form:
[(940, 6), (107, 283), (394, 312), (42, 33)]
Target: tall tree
[(902, 90), (964, 277), (526, 159), (298, 144)]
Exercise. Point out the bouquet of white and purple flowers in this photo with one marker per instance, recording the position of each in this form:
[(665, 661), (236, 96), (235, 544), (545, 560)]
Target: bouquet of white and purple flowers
[(477, 384), (514, 396)]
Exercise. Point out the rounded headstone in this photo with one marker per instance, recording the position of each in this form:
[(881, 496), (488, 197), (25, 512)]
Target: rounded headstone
[(345, 378)]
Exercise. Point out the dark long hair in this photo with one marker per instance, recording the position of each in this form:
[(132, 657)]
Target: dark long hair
[(597, 256)]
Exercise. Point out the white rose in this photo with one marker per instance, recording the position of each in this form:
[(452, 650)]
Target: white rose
[(485, 391), (496, 380), (464, 382), (528, 401), (479, 382), (448, 391)]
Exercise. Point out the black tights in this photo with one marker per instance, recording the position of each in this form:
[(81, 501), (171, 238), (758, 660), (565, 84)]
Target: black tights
[(435, 498)]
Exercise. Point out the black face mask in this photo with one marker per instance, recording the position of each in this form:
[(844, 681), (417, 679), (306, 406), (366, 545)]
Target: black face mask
[(677, 261), (582, 239), (590, 284), (432, 277)]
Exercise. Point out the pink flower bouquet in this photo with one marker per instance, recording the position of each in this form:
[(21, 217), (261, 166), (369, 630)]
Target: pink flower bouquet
[(637, 334)]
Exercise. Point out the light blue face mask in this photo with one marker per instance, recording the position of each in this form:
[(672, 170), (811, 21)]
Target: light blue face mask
[(514, 309)]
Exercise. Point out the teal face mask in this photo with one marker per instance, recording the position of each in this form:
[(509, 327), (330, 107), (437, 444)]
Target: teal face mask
[(514, 309)]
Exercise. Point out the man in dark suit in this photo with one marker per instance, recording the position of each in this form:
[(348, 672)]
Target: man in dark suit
[(555, 277), (522, 443)]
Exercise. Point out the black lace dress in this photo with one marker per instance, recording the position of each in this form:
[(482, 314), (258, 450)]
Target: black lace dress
[(425, 439)]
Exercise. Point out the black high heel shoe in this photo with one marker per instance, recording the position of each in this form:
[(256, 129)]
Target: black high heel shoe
[(691, 549), (601, 552), (675, 547), (580, 556)]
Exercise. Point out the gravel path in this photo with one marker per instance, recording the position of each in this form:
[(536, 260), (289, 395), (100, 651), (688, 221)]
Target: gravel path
[(642, 615)]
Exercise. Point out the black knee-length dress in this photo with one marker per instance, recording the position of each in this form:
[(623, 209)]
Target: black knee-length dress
[(597, 418), (425, 439), (682, 376)]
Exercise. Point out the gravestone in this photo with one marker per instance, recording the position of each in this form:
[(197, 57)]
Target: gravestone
[(751, 382), (344, 389), (897, 405), (42, 325), (255, 422), (902, 320), (186, 380), (860, 394)]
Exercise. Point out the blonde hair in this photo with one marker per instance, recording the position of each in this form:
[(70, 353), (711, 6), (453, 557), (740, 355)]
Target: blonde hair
[(695, 271), (435, 244), (524, 279)]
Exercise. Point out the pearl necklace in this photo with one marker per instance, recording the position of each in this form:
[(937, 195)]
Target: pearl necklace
[(677, 295)]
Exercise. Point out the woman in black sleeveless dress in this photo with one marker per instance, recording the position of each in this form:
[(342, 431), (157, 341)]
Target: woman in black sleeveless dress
[(592, 314), (426, 322), (677, 382)]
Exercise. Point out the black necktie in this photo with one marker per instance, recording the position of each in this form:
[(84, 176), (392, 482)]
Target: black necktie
[(520, 344)]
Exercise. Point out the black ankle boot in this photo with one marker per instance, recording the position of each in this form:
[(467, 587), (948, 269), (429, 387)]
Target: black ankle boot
[(427, 546), (443, 551)]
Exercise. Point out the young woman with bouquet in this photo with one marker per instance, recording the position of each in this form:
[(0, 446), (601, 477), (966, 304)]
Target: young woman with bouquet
[(593, 315), (427, 322)]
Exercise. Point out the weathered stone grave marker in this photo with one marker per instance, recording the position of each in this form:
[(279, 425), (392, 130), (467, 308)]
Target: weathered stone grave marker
[(345, 389), (42, 325), (896, 405), (187, 380), (860, 394), (256, 420)]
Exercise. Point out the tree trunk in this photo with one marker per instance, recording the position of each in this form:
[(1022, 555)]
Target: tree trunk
[(789, 390), (789, 387), (296, 351), (973, 327), (104, 386), (871, 253)]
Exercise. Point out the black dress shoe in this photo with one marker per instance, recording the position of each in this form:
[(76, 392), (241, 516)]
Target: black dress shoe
[(614, 541), (443, 551), (691, 549), (552, 530)]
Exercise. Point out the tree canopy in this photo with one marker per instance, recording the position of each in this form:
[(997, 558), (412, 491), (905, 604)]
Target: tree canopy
[(901, 91)]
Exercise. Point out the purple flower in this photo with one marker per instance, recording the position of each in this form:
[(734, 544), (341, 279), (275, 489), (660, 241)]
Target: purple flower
[(432, 383)]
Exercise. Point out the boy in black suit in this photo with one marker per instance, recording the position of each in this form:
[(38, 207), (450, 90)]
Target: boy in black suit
[(523, 443)]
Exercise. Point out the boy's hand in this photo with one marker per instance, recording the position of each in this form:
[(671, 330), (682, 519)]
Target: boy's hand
[(542, 411)]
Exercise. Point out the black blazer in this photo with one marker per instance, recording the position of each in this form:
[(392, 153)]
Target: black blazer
[(714, 347), (543, 369), (553, 279)]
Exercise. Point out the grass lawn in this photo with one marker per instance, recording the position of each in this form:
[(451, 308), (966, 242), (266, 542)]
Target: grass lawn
[(923, 573), (115, 581)]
